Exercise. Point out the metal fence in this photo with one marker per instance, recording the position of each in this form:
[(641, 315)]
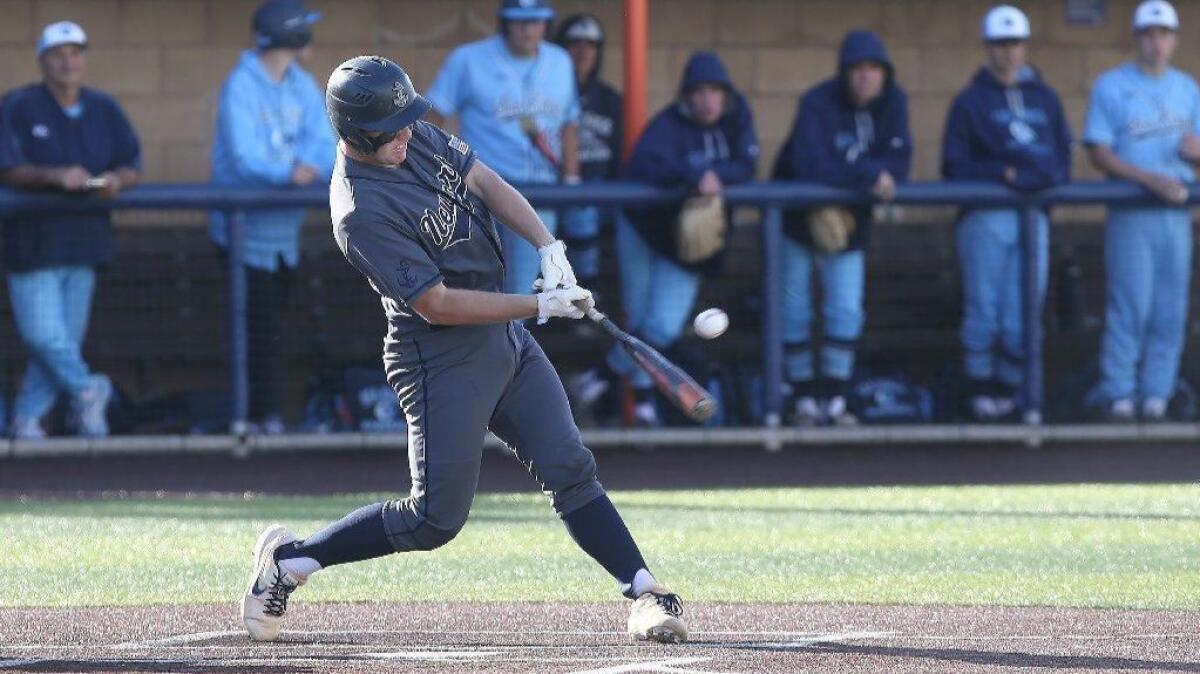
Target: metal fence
[(771, 197)]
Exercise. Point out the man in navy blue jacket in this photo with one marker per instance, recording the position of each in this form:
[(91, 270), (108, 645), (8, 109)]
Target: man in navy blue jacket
[(698, 144), (850, 131), (60, 135), (1006, 126)]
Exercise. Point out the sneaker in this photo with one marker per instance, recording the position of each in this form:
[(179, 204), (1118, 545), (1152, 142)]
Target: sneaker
[(657, 616), (265, 602), (1154, 409), (587, 387), (28, 429), (1004, 406), (838, 413), (806, 412), (272, 425), (91, 407), (983, 408), (645, 415), (1121, 410)]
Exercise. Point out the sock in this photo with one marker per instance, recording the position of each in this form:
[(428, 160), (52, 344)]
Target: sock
[(357, 536), (599, 530), (643, 582), (300, 567)]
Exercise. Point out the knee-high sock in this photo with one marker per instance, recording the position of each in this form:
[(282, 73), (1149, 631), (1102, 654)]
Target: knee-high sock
[(599, 530), (357, 536)]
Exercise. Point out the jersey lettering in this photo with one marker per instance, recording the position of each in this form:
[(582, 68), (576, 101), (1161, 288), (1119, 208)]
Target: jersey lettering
[(441, 225)]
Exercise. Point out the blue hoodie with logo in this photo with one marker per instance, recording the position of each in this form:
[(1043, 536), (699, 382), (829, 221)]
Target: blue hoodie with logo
[(834, 142), (675, 150), (992, 126)]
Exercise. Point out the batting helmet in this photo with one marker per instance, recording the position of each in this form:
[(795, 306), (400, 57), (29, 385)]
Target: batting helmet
[(371, 94), (526, 10), (283, 24)]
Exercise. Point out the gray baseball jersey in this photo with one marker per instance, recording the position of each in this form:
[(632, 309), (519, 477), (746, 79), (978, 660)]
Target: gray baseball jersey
[(409, 227), (406, 229)]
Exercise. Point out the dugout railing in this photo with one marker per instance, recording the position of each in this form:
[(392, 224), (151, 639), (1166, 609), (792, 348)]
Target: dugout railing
[(771, 197)]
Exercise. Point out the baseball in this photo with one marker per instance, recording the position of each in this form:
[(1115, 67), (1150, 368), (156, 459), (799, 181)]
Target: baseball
[(711, 323)]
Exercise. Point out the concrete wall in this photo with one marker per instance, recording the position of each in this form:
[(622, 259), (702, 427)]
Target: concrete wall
[(166, 59)]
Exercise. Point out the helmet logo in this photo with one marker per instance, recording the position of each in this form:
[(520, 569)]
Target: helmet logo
[(399, 94)]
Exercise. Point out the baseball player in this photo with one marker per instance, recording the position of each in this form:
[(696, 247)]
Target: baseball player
[(516, 102), (415, 212), (1143, 125), (1007, 126)]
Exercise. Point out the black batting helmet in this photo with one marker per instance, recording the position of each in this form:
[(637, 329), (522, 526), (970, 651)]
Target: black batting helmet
[(371, 94)]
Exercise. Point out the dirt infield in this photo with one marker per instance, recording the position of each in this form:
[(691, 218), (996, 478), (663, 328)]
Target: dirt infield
[(578, 639)]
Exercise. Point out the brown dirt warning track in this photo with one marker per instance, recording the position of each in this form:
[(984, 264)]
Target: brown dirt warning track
[(578, 639)]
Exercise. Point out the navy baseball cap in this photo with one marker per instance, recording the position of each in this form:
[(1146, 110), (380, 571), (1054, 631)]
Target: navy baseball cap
[(526, 10), (283, 24)]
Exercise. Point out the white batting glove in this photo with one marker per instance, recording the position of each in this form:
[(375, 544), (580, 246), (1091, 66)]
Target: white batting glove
[(572, 302), (556, 269)]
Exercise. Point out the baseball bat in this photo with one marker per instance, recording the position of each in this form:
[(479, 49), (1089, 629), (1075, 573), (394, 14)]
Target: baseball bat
[(683, 391)]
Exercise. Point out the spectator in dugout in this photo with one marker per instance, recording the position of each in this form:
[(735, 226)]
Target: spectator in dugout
[(850, 131), (600, 133), (1007, 126), (697, 145), (272, 132), (1143, 125), (58, 135), (514, 94)]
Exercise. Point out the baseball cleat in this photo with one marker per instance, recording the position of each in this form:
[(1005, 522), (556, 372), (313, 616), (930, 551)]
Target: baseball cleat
[(657, 616), (265, 602)]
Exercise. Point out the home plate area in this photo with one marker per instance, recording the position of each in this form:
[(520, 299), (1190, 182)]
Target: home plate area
[(587, 639)]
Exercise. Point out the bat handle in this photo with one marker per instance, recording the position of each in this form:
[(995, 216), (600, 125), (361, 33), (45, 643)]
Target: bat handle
[(595, 315)]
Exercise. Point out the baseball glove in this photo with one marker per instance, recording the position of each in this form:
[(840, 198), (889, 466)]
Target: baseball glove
[(700, 233), (830, 228)]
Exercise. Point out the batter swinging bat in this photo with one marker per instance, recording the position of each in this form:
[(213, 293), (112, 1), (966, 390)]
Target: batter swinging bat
[(673, 382)]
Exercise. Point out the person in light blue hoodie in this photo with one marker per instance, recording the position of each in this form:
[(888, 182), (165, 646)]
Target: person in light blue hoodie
[(1007, 126), (272, 132)]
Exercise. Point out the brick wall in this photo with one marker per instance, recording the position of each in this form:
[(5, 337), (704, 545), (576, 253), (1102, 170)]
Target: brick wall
[(166, 59)]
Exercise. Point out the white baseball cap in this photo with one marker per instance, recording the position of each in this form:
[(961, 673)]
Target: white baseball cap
[(56, 34), (1005, 22), (1155, 13)]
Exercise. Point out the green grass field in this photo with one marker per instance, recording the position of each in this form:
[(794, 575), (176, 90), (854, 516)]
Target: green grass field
[(1129, 546)]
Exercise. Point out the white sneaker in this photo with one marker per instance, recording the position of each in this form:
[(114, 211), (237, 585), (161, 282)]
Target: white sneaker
[(983, 408), (587, 387), (1154, 409), (838, 413), (28, 429), (806, 412), (265, 601), (645, 415), (1121, 410), (657, 616), (91, 407)]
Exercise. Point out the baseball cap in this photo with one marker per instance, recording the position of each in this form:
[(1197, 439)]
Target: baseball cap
[(586, 28), (1005, 22), (285, 24), (1155, 13), (526, 10), (60, 33)]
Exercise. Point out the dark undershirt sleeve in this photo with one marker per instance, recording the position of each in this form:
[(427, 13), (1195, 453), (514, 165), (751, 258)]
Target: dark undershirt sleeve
[(392, 259)]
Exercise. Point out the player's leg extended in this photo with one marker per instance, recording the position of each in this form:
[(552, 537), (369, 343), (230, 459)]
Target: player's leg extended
[(521, 261), (448, 384), (798, 364), (534, 418), (843, 276), (981, 239), (1129, 294), (1168, 314)]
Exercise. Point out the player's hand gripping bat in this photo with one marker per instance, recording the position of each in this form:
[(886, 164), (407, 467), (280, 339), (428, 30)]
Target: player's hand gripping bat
[(683, 391)]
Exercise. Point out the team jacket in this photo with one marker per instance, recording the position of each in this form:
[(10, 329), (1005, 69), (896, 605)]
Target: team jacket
[(992, 126), (675, 151), (835, 143)]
